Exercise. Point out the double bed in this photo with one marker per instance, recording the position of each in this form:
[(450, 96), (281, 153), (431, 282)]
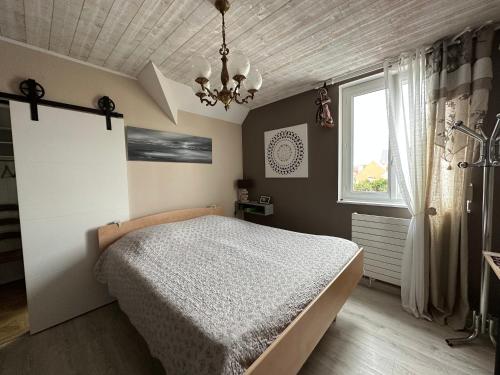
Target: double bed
[(218, 295)]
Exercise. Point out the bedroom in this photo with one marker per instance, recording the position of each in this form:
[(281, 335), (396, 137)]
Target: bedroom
[(152, 224)]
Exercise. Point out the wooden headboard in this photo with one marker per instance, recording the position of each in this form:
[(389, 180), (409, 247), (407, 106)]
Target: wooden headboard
[(108, 234)]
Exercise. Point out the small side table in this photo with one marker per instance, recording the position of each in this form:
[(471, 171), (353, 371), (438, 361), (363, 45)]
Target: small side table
[(254, 208)]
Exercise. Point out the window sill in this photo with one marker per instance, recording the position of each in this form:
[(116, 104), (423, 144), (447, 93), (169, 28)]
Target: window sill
[(368, 203)]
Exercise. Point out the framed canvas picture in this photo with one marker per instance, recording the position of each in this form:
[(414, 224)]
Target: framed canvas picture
[(286, 152), (156, 145)]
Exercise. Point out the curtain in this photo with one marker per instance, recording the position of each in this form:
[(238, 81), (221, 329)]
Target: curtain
[(458, 76), (426, 93), (405, 93)]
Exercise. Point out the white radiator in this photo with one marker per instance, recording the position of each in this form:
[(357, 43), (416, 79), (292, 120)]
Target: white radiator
[(383, 241)]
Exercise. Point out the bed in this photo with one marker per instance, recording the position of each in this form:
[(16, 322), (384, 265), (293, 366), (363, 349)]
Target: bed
[(218, 295)]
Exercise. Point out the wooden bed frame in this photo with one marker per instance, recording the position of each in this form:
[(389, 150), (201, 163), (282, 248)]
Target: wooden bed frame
[(292, 347)]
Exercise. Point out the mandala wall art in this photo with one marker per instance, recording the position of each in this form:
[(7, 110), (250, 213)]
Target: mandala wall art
[(286, 152)]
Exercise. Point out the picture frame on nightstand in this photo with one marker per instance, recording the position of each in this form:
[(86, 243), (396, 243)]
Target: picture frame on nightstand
[(264, 199)]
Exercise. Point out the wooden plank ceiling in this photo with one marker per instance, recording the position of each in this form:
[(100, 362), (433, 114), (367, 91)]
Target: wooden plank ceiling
[(295, 43)]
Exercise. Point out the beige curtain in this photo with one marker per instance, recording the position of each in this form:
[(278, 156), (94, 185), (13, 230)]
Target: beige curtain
[(458, 75)]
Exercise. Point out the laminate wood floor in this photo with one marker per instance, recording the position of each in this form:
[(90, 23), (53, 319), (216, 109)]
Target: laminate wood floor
[(372, 335), (13, 311)]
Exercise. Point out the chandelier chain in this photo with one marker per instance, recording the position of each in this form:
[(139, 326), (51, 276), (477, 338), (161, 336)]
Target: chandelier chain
[(224, 50)]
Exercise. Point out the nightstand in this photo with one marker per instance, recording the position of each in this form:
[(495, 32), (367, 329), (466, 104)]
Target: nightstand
[(253, 208)]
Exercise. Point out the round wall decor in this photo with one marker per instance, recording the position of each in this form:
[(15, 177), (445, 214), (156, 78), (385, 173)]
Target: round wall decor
[(285, 152)]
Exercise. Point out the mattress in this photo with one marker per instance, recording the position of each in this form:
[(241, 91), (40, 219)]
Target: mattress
[(210, 294)]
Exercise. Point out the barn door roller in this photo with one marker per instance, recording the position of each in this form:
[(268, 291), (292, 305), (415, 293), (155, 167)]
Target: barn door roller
[(107, 106), (33, 91)]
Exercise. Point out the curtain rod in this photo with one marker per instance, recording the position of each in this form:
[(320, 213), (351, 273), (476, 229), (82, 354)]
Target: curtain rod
[(351, 74)]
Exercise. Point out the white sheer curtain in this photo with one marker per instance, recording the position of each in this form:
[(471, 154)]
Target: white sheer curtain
[(405, 90)]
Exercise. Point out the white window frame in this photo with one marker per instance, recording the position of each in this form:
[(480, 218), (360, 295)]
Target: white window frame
[(346, 194)]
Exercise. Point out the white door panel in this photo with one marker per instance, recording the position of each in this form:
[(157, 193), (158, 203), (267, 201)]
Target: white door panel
[(71, 179)]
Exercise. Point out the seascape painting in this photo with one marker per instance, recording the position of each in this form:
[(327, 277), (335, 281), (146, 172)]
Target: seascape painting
[(155, 145)]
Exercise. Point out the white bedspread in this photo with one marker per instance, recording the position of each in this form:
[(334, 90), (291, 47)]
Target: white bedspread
[(210, 294)]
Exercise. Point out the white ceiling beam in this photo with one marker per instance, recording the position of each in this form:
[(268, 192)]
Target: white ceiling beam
[(157, 86)]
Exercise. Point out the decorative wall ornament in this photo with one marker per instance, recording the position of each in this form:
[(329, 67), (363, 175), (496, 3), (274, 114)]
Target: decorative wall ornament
[(286, 152), (156, 145), (324, 114)]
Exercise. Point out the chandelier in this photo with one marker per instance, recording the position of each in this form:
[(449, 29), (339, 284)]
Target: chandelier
[(238, 69)]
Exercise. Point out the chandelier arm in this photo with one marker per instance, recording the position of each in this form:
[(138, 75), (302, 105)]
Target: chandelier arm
[(245, 99), (210, 93), (237, 88), (238, 95), (208, 102)]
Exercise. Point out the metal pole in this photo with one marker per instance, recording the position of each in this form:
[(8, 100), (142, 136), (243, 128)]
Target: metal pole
[(488, 178), (488, 159)]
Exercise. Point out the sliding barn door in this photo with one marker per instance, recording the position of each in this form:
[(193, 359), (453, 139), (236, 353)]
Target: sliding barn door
[(71, 179)]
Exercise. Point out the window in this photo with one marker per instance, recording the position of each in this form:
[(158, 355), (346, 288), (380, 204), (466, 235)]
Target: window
[(365, 171)]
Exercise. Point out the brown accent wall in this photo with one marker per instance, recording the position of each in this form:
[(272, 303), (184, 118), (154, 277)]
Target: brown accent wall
[(302, 204), (310, 204)]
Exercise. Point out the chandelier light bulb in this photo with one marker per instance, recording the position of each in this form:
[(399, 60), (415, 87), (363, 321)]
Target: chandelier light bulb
[(200, 67), (195, 86), (238, 64), (254, 80), (198, 89)]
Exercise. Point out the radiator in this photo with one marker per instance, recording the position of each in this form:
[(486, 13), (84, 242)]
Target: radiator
[(383, 241)]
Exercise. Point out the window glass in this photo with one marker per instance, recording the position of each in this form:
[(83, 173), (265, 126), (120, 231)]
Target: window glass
[(370, 165)]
